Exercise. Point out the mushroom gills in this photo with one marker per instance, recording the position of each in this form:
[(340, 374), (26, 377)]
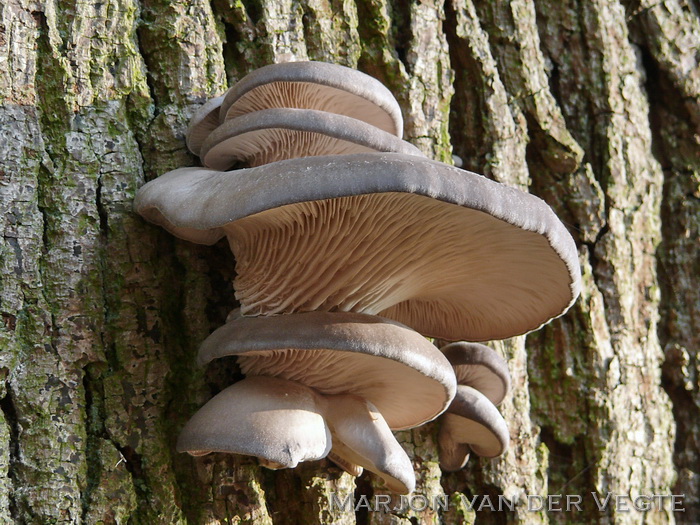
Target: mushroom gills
[(273, 135), (316, 85), (350, 468), (374, 378), (358, 256), (343, 353), (445, 251), (278, 421)]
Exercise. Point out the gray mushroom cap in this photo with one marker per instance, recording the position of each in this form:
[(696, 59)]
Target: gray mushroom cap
[(479, 367), (204, 121), (278, 421), (315, 85), (271, 135), (393, 367), (450, 253), (473, 423)]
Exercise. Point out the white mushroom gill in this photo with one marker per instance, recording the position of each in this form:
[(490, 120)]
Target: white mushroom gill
[(349, 467), (312, 96), (408, 257), (273, 144), (271, 135)]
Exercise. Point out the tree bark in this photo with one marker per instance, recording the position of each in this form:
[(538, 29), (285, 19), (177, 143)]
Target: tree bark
[(594, 105)]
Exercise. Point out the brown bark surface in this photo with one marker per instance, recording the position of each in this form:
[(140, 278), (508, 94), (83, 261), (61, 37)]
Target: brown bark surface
[(594, 105)]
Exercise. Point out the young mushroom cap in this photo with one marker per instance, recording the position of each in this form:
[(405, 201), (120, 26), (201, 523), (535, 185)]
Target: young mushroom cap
[(479, 367), (450, 253), (315, 85), (393, 367), (471, 423), (204, 121), (278, 421), (361, 437), (271, 135)]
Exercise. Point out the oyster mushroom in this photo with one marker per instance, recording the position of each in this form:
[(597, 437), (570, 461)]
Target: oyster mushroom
[(479, 367), (360, 364), (445, 251), (284, 423), (315, 85), (204, 121), (361, 438), (278, 421), (472, 423), (450, 253), (340, 353), (271, 135)]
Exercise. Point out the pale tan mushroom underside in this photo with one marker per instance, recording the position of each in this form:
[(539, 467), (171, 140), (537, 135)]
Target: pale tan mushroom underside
[(312, 96), (343, 353), (373, 378), (272, 135), (445, 251), (442, 269)]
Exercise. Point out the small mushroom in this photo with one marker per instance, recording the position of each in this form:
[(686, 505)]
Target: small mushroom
[(405, 377), (472, 423), (204, 121), (315, 85), (361, 437), (278, 421), (450, 253), (271, 135), (479, 367)]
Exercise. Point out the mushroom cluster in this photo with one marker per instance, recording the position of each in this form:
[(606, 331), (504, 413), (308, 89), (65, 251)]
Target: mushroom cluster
[(344, 237)]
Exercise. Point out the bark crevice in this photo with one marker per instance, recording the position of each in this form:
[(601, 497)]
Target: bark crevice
[(9, 412)]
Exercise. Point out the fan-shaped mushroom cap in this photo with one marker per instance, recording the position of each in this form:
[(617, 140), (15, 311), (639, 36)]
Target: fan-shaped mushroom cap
[(362, 437), (479, 367), (278, 421), (315, 85), (471, 422), (450, 253), (393, 367), (271, 135), (204, 121)]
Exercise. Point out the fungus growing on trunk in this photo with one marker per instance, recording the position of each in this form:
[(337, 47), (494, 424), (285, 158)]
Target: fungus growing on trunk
[(361, 225), (315, 85), (343, 353), (360, 365), (447, 252), (278, 421), (472, 423), (204, 121), (479, 367), (270, 135)]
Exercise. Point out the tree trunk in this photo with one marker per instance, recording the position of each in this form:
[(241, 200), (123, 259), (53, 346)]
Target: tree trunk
[(594, 105)]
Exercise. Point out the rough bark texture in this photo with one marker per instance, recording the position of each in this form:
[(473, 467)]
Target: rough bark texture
[(594, 105)]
